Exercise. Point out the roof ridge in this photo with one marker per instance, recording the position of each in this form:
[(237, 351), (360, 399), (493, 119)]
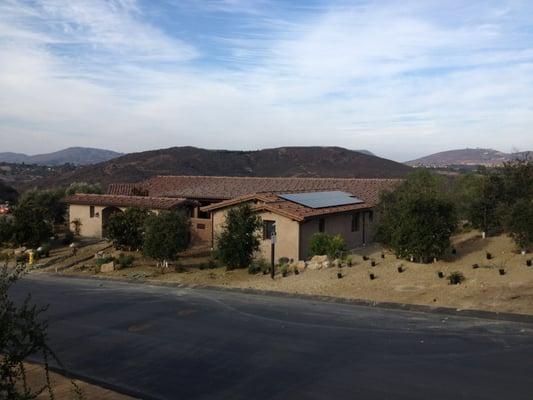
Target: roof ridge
[(274, 177)]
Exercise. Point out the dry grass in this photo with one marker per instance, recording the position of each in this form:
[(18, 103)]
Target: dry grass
[(483, 289)]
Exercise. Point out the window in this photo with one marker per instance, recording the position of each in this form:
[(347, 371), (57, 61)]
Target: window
[(269, 227), (355, 222), (321, 225), (91, 211), (371, 216)]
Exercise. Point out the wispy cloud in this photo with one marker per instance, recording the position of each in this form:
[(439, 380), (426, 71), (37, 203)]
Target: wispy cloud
[(400, 78)]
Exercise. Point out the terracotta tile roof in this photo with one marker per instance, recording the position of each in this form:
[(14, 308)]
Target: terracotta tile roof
[(223, 187), (273, 203), (157, 203), (121, 189)]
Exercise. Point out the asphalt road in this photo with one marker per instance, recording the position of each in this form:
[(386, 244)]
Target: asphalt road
[(175, 343)]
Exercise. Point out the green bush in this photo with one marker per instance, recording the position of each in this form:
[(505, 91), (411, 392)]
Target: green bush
[(125, 261), (418, 218), (456, 278), (6, 230), (239, 239), (44, 250), (519, 223), (258, 265), (68, 238), (324, 244), (104, 260), (166, 235), (32, 225), (126, 228)]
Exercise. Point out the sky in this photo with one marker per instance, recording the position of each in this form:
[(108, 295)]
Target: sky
[(399, 78)]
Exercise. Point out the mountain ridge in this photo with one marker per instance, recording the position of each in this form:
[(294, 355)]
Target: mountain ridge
[(467, 157), (331, 162), (70, 155)]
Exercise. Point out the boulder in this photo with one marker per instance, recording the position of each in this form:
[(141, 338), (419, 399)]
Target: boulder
[(107, 267), (301, 265), (314, 265), (327, 264), (319, 259)]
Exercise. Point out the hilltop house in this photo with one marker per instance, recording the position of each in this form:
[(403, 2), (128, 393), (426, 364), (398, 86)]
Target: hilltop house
[(293, 208)]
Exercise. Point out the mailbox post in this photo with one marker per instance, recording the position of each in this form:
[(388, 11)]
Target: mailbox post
[(272, 253)]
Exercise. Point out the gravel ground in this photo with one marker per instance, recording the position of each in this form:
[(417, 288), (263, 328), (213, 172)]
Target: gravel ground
[(483, 289)]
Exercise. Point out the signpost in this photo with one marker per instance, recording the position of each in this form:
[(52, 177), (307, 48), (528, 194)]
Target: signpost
[(272, 253)]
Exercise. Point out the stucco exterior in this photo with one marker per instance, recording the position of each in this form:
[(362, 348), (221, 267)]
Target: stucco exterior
[(287, 235), (90, 226), (293, 237), (338, 224)]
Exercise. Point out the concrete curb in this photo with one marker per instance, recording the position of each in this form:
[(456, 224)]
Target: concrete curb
[(468, 313)]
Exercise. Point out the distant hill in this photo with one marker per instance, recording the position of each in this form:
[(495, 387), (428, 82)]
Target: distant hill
[(487, 157), (283, 161), (71, 155)]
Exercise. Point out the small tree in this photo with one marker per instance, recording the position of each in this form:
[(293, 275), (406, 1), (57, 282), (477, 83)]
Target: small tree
[(239, 239), (32, 225), (324, 244), (519, 223), (126, 228), (23, 334), (6, 229), (83, 187), (49, 200), (417, 219), (166, 235)]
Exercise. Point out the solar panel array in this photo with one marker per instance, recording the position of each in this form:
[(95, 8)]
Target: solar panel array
[(322, 199)]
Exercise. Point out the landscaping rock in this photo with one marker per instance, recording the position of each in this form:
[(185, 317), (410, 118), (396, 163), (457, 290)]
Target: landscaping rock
[(319, 259), (107, 267), (301, 265)]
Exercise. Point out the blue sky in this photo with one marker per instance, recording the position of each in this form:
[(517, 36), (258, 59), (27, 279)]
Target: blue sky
[(399, 78)]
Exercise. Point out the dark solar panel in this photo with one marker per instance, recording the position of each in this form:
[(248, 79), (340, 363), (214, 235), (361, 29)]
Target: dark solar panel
[(322, 199)]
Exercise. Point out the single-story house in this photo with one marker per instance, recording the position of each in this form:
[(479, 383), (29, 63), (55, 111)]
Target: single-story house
[(295, 208)]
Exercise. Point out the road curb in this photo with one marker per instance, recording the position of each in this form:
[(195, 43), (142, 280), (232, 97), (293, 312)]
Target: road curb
[(468, 313)]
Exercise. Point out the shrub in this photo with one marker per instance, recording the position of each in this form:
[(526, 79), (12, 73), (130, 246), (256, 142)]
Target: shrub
[(44, 250), (519, 223), (456, 278), (284, 260), (258, 265), (68, 238), (324, 244), (83, 187), (32, 225), (166, 234), (6, 230), (417, 219), (126, 228), (239, 239), (125, 261), (104, 260)]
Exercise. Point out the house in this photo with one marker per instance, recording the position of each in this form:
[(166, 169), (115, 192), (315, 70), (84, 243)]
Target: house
[(345, 206), (295, 217)]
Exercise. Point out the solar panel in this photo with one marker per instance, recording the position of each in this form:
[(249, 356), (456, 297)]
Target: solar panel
[(322, 199)]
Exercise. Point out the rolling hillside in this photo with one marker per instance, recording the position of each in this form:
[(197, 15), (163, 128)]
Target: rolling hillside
[(71, 155), (284, 161), (487, 157)]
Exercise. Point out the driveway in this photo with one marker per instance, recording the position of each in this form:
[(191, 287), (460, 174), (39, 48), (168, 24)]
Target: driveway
[(177, 343)]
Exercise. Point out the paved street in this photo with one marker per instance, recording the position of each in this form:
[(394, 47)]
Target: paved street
[(173, 343)]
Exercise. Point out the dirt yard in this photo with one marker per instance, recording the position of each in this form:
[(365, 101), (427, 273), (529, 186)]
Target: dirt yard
[(483, 289), (63, 388)]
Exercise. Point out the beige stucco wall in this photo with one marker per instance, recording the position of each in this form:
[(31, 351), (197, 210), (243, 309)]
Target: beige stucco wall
[(287, 232), (337, 224), (90, 227)]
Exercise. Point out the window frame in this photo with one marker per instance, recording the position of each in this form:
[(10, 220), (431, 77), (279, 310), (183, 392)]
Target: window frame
[(269, 227)]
